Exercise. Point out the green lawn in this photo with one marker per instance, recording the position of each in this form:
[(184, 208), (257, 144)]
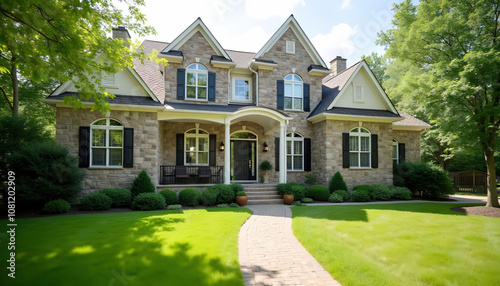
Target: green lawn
[(401, 244), (192, 247)]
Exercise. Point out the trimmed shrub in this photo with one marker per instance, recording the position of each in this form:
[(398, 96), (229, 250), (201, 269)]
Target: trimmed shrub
[(148, 202), (310, 179), (361, 188), (430, 181), (209, 197), (360, 196), (222, 205), (337, 183), (296, 189), (190, 197), (234, 205), (226, 195), (401, 193), (170, 196), (142, 184), (174, 207), (380, 192), (306, 200), (56, 207), (119, 197), (398, 181), (298, 204), (241, 194), (281, 188), (95, 202), (344, 194), (237, 188), (318, 193), (335, 198)]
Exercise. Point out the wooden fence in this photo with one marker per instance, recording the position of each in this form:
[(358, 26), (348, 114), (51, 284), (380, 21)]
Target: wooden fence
[(470, 181)]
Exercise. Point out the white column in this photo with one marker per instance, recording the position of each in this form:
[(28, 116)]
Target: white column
[(227, 152), (282, 158)]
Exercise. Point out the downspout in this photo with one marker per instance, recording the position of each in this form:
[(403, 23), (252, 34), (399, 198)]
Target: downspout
[(256, 85), (229, 83)]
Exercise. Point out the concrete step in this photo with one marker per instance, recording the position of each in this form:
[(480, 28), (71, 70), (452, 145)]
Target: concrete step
[(265, 202), (261, 192), (263, 197)]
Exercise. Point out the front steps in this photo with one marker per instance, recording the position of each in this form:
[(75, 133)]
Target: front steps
[(262, 194)]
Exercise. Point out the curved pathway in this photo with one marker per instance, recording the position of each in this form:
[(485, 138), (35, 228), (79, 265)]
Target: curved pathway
[(269, 253)]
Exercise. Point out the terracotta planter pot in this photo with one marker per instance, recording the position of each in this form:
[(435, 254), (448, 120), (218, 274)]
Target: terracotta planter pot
[(288, 199), (241, 200)]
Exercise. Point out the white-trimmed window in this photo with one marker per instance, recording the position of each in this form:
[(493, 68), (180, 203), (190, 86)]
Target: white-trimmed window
[(294, 152), (196, 151), (242, 89), (106, 142), (359, 148), (395, 152), (293, 92), (196, 82)]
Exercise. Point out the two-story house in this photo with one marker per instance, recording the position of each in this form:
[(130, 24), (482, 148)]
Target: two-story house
[(214, 115)]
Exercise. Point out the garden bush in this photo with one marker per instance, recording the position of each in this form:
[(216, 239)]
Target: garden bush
[(298, 204), (148, 202), (380, 192), (337, 183), (45, 172), (237, 188), (234, 205), (310, 179), (119, 197), (335, 198), (306, 200), (96, 202), (142, 184), (401, 193), (58, 206), (170, 196), (318, 193), (360, 196), (222, 205), (430, 181), (296, 189), (209, 197), (343, 193), (241, 194), (226, 195), (174, 207), (190, 197), (361, 187)]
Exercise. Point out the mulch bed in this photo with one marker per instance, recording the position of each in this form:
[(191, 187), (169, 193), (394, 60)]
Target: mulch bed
[(479, 210)]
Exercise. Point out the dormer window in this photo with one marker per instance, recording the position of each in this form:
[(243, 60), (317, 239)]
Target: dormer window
[(290, 47), (196, 82), (242, 89)]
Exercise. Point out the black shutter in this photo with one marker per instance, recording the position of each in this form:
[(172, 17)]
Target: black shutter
[(211, 86), (345, 150), (307, 88), (84, 147), (374, 151), (277, 153), (212, 148), (181, 83), (280, 87), (307, 154), (128, 148), (402, 152), (179, 158)]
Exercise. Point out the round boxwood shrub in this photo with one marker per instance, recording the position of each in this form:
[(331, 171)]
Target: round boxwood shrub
[(190, 197), (306, 200), (209, 197), (148, 202), (360, 196), (318, 193), (431, 181), (298, 191), (401, 193), (335, 198), (226, 195), (56, 207), (237, 188), (361, 187), (337, 183), (95, 202), (170, 196), (343, 193), (119, 197), (380, 192), (142, 184)]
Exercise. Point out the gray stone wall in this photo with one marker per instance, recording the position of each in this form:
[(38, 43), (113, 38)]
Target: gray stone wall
[(411, 139)]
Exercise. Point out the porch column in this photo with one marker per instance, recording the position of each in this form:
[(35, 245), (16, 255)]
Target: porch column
[(282, 158), (227, 152)]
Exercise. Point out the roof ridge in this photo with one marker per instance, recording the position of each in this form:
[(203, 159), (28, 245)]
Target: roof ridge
[(240, 51), (343, 71), (155, 41)]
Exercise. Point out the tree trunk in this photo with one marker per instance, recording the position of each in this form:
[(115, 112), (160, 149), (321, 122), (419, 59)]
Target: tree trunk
[(15, 86), (492, 200)]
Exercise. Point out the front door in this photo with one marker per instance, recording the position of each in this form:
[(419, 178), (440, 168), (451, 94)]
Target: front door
[(243, 160)]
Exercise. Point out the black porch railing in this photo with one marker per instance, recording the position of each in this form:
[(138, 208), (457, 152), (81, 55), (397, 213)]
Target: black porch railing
[(169, 176)]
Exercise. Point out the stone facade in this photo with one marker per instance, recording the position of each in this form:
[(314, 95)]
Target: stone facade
[(411, 139)]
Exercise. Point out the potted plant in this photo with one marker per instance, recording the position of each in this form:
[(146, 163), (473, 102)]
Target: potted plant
[(241, 198), (288, 197), (265, 166)]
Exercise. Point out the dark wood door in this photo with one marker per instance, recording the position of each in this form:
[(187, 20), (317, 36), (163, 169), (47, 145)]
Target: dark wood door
[(244, 160)]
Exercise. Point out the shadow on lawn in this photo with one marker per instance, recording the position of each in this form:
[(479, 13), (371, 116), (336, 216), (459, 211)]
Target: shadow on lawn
[(126, 249)]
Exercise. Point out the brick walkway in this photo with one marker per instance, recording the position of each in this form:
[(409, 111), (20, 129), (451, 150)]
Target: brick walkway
[(270, 254)]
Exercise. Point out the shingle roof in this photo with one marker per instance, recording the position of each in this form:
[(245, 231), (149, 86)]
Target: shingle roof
[(150, 71), (242, 59), (361, 112), (119, 99), (410, 121)]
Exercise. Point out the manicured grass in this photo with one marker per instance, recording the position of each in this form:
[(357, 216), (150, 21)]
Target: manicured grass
[(192, 247), (401, 244)]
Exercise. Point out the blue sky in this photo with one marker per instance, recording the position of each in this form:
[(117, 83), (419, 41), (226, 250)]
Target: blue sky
[(345, 28)]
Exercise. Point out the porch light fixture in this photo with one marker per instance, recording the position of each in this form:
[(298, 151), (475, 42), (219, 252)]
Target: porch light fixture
[(221, 147), (266, 148)]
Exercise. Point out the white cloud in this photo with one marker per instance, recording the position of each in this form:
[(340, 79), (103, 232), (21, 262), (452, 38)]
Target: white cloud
[(336, 43), (345, 4), (248, 40), (266, 9)]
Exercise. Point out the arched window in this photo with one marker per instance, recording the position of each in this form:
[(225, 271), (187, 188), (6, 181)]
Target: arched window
[(196, 151), (360, 148), (293, 92), (395, 152), (294, 152), (196, 82), (106, 143)]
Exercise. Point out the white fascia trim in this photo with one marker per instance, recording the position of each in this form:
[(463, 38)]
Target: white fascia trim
[(263, 65), (318, 72), (291, 22), (259, 111), (222, 64), (143, 84), (410, 127), (60, 89), (197, 25), (172, 59), (345, 117)]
